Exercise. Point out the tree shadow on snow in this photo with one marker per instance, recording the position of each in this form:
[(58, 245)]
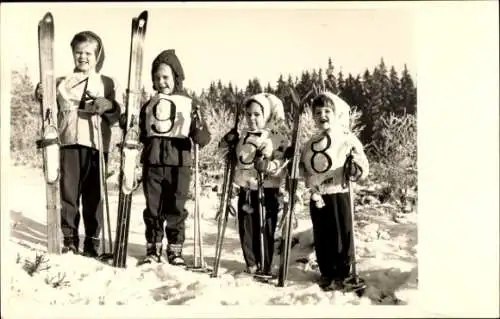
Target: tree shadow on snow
[(229, 245), (27, 230), (383, 283)]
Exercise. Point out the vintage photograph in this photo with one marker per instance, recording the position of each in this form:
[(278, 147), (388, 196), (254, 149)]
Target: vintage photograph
[(212, 155)]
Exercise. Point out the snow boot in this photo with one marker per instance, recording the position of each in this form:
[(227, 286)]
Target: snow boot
[(174, 255), (252, 270), (324, 282), (70, 249), (70, 245), (153, 253), (91, 247)]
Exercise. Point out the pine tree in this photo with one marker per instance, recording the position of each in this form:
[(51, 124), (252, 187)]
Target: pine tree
[(340, 83), (331, 81), (409, 92), (347, 92), (396, 98), (249, 89), (269, 89), (257, 86), (281, 88)]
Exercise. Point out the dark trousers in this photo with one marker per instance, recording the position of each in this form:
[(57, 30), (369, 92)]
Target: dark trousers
[(248, 226), (166, 189), (80, 180), (332, 229)]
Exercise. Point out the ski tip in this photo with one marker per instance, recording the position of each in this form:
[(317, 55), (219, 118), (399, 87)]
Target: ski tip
[(47, 18), (143, 16), (294, 97)]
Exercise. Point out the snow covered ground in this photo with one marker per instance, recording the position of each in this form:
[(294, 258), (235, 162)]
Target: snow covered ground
[(386, 250)]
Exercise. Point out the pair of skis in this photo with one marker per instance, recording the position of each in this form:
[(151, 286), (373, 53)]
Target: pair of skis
[(130, 145)]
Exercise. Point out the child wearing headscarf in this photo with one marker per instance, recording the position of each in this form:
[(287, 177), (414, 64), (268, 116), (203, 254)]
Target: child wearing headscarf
[(260, 149), (323, 161)]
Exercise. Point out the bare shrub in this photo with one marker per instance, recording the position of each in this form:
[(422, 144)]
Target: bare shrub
[(37, 265), (395, 157), (57, 281)]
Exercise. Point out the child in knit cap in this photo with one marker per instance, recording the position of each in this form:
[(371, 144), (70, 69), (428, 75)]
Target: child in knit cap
[(82, 96), (167, 133), (323, 160), (258, 150)]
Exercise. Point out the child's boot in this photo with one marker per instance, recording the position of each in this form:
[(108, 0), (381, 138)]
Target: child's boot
[(174, 255), (91, 247), (70, 245), (325, 282), (153, 253)]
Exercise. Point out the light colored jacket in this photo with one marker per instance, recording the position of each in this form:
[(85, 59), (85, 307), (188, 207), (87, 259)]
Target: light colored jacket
[(273, 147), (76, 127), (323, 158)]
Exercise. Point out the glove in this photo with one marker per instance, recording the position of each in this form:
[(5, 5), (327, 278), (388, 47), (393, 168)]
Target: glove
[(232, 137), (122, 122), (289, 153), (352, 171), (261, 164), (39, 92), (100, 105)]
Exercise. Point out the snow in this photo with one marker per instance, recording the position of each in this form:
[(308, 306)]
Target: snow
[(386, 253)]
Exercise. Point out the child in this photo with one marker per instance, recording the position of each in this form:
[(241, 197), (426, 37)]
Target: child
[(259, 150), (166, 132), (81, 95), (322, 164)]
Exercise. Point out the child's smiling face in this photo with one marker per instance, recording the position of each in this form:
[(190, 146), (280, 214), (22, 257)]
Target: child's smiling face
[(254, 116), (84, 56), (163, 79), (324, 117)]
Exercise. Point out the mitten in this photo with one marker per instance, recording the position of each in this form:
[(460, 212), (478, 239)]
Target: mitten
[(261, 164), (289, 153), (100, 105), (232, 137), (352, 171), (122, 122), (289, 157), (39, 92)]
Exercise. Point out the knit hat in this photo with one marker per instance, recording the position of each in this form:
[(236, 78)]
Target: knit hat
[(270, 103), (170, 58), (338, 105), (85, 36)]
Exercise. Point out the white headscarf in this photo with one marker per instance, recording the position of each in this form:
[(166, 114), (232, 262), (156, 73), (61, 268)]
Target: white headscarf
[(340, 108), (271, 105)]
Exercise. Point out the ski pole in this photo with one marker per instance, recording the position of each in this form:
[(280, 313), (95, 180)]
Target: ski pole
[(195, 246), (262, 220), (103, 185), (358, 284), (199, 262), (223, 212), (222, 222)]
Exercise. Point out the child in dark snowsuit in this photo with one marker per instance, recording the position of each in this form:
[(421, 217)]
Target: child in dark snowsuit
[(322, 164), (259, 150), (167, 134), (81, 96)]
